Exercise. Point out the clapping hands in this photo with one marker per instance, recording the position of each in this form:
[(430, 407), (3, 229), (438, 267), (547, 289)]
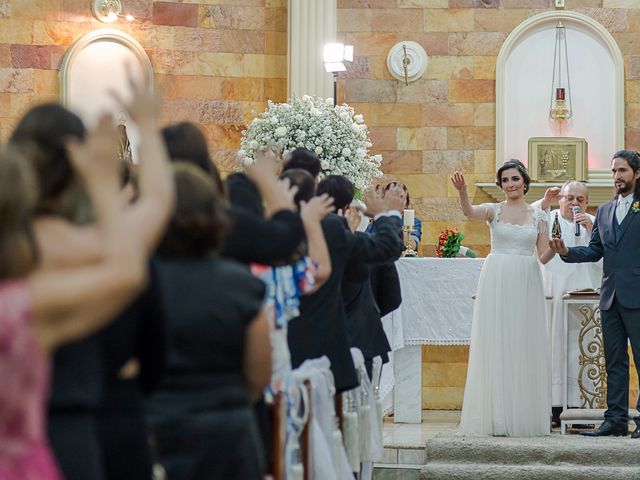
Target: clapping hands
[(379, 201), (352, 214)]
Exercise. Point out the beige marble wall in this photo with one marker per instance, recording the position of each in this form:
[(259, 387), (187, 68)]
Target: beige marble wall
[(446, 120), (216, 61), (444, 372)]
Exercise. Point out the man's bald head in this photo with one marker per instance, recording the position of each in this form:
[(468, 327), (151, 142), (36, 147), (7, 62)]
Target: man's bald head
[(573, 193)]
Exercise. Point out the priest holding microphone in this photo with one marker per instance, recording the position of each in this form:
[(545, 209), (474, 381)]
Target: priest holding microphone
[(575, 226)]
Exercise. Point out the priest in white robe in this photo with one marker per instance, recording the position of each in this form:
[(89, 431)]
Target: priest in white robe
[(561, 277)]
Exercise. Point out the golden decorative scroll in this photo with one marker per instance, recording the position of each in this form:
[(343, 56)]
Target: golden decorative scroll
[(592, 376)]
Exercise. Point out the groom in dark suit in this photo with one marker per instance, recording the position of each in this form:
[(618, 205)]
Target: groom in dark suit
[(616, 238)]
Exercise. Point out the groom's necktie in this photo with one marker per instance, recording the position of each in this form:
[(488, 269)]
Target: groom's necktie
[(621, 210)]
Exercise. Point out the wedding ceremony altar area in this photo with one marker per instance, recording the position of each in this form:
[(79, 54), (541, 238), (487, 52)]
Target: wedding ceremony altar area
[(426, 99)]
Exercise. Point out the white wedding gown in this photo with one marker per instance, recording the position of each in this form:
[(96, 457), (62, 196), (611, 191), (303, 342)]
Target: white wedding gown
[(508, 376)]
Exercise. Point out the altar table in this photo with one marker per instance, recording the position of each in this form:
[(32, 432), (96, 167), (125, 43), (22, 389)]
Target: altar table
[(436, 309)]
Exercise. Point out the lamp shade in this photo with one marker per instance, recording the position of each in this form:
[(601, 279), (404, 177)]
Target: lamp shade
[(333, 53)]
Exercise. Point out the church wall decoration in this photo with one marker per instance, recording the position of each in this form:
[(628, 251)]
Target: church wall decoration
[(557, 159)]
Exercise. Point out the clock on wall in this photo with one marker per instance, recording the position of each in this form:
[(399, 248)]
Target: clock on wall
[(407, 61)]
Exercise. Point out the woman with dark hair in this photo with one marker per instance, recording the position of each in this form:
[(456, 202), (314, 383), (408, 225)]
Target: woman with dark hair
[(44, 307), (280, 233), (218, 353), (508, 389), (185, 142), (78, 374), (44, 131)]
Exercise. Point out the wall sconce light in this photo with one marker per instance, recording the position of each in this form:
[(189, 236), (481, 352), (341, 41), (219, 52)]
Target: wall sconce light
[(108, 11), (334, 56), (560, 108)]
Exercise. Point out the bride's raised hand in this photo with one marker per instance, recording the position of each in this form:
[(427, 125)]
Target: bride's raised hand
[(458, 181)]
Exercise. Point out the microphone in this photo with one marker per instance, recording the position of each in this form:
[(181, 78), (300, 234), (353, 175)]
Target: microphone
[(576, 209)]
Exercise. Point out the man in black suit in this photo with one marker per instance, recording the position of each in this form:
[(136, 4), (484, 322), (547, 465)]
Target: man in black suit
[(363, 314), (614, 238), (321, 327)]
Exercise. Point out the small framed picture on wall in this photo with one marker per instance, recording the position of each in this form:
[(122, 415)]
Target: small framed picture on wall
[(557, 159)]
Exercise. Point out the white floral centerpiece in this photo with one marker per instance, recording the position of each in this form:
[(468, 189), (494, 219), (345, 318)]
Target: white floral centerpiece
[(336, 134)]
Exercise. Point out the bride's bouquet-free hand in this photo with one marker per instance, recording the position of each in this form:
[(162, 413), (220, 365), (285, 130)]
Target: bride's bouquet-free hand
[(450, 245)]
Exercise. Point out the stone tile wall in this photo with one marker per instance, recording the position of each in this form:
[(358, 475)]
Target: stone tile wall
[(446, 120), (216, 61), (444, 373)]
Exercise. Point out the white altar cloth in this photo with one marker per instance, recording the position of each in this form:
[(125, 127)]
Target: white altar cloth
[(437, 303), (436, 309)]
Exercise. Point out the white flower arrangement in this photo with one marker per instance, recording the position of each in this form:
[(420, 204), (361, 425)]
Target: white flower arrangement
[(338, 136)]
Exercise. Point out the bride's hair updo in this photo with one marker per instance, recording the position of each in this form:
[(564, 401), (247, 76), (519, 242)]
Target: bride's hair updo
[(518, 165)]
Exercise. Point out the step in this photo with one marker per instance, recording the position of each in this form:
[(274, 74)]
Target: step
[(470, 471), (551, 450)]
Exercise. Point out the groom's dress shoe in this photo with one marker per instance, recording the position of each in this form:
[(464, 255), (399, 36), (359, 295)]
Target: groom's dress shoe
[(636, 433), (609, 429)]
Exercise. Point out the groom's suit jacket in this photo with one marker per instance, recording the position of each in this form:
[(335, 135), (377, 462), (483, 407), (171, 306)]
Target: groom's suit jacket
[(620, 249)]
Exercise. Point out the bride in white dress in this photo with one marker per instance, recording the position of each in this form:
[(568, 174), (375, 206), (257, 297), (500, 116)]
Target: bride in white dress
[(508, 389)]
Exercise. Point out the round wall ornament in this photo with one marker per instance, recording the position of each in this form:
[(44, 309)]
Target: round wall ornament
[(407, 61)]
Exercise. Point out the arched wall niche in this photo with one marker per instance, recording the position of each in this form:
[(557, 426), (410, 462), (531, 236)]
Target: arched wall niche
[(97, 63), (523, 90)]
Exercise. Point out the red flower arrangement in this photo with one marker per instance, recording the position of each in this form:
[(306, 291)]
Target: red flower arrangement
[(450, 245)]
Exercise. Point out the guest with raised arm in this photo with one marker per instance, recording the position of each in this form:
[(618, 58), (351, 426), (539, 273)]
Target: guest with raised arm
[(44, 307), (321, 327), (78, 374)]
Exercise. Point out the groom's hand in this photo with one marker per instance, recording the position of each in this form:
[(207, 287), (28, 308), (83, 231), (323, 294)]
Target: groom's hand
[(557, 246)]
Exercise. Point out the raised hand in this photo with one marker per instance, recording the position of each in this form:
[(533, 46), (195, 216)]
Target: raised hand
[(552, 194), (352, 214), (557, 246), (266, 162), (395, 198), (144, 106), (288, 190), (96, 158), (374, 201), (316, 208), (458, 181)]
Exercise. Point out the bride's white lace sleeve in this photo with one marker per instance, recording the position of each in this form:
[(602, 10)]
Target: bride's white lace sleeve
[(490, 211), (541, 218)]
